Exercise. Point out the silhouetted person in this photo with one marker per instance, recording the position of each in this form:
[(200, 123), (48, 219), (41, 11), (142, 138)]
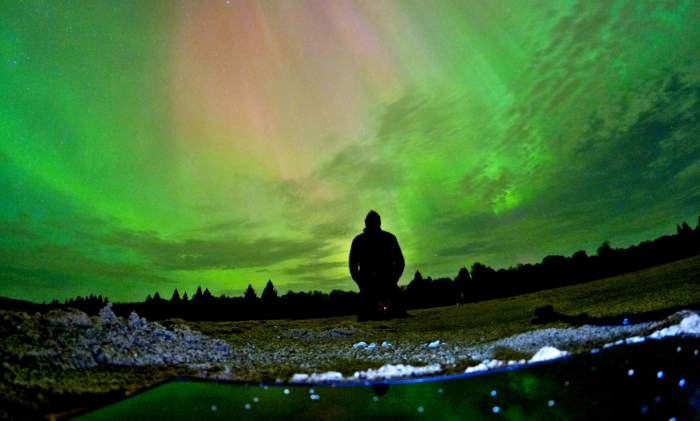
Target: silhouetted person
[(376, 264)]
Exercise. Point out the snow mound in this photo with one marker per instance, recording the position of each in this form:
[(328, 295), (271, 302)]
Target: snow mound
[(690, 325), (547, 353)]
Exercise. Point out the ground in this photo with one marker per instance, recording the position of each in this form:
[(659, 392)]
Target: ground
[(277, 349)]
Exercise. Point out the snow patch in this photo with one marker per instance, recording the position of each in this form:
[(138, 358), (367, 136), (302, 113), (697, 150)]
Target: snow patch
[(547, 353), (385, 372)]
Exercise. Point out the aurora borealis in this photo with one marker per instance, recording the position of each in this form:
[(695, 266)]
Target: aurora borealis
[(148, 146)]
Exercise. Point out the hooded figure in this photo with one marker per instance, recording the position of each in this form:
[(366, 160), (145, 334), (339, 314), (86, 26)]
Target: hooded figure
[(376, 264)]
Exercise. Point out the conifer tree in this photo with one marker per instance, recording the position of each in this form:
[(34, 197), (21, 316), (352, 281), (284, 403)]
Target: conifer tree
[(207, 294), (156, 297), (149, 299), (185, 297), (176, 296), (250, 294), (269, 293), (198, 294)]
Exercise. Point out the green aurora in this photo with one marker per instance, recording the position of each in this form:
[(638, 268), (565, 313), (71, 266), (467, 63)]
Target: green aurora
[(148, 146)]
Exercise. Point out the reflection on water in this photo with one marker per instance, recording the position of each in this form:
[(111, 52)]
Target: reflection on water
[(650, 380)]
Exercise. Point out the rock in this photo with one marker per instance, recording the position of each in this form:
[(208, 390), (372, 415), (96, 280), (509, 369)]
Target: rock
[(135, 321), (107, 315), (69, 317), (72, 340), (360, 345), (386, 344), (434, 344)]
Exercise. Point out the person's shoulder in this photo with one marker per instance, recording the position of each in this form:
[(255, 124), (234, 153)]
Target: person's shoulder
[(388, 235)]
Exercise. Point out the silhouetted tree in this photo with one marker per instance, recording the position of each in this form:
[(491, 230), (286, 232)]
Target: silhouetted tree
[(605, 251), (269, 294), (418, 290), (580, 256), (685, 229), (207, 294), (149, 299), (176, 296), (250, 294), (463, 280), (156, 297), (483, 280), (185, 297), (198, 294)]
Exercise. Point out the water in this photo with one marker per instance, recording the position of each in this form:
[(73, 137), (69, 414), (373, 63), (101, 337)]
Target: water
[(655, 380)]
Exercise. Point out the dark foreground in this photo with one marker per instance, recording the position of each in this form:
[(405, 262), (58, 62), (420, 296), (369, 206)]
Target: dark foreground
[(42, 373), (656, 379)]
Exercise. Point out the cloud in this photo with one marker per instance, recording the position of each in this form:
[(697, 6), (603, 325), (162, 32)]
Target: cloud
[(228, 252), (48, 263), (314, 267)]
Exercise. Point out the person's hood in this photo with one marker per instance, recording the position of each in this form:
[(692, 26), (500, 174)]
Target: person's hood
[(372, 229)]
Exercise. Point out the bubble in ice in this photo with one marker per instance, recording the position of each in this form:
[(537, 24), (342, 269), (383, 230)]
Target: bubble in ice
[(247, 406), (550, 403), (630, 372), (496, 409), (213, 407), (255, 399), (439, 390), (420, 409), (286, 391), (493, 393), (311, 391), (375, 398), (645, 409), (626, 322), (657, 399), (681, 383), (678, 349), (660, 375)]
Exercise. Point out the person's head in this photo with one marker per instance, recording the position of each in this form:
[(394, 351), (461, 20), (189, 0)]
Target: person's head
[(373, 220)]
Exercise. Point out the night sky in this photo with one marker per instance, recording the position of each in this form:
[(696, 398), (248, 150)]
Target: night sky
[(147, 146)]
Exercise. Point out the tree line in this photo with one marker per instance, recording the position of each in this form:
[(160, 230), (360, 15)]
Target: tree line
[(478, 283)]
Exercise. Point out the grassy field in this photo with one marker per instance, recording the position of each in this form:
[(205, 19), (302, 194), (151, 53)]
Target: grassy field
[(274, 350), (671, 285)]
